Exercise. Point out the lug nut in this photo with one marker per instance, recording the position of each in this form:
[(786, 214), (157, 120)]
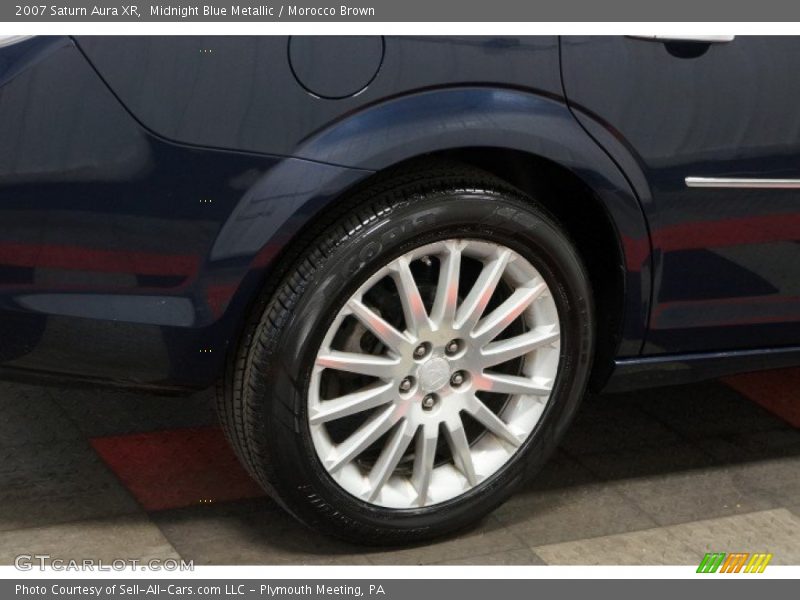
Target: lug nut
[(428, 402), (452, 347), (420, 350), (457, 379), (406, 384)]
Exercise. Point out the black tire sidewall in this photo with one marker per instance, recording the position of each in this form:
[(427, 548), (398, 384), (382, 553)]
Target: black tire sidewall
[(303, 483)]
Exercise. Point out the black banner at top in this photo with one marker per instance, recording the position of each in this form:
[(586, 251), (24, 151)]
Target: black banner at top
[(401, 11)]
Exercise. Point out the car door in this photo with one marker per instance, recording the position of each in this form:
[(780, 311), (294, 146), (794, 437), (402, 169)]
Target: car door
[(698, 127)]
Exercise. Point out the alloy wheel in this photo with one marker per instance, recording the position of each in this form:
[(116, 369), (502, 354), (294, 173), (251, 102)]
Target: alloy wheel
[(434, 373)]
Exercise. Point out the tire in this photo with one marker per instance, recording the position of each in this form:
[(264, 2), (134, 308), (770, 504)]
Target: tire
[(273, 387)]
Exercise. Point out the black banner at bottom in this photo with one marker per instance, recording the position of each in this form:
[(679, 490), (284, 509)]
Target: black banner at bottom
[(392, 589)]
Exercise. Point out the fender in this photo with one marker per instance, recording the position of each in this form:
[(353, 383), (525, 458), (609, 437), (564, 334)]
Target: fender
[(210, 224), (387, 133)]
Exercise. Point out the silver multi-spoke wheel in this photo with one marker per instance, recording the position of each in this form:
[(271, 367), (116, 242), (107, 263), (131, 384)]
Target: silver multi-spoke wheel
[(434, 373), (417, 361)]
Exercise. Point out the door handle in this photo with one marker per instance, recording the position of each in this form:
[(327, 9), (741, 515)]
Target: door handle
[(700, 39)]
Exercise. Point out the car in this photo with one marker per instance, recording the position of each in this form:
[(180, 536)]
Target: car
[(402, 261)]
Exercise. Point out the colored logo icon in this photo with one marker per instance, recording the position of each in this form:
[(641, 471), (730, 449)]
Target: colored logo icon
[(736, 562)]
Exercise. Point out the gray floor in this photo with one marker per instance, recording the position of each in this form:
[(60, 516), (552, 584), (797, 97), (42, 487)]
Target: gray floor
[(656, 477)]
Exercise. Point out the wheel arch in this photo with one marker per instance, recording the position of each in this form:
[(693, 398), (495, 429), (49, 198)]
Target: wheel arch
[(549, 156)]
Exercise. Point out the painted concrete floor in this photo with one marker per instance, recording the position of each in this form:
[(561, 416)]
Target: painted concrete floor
[(654, 477)]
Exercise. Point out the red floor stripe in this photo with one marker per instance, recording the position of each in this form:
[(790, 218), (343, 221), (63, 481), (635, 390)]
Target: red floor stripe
[(175, 468), (777, 391)]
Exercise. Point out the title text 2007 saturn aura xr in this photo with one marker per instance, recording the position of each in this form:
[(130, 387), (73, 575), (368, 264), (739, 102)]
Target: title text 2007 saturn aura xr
[(403, 260)]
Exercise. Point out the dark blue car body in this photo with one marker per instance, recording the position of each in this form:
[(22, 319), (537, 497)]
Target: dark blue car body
[(150, 187)]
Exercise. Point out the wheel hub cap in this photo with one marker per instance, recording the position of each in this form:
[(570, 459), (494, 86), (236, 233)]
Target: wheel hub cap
[(434, 374)]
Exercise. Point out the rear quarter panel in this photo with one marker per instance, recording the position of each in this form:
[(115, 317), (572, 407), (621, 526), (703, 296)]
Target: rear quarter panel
[(146, 196)]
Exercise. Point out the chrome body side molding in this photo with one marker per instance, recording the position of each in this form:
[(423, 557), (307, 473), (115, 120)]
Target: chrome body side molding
[(741, 182)]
